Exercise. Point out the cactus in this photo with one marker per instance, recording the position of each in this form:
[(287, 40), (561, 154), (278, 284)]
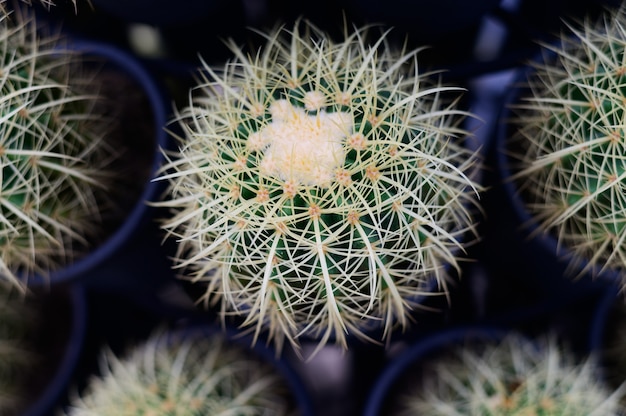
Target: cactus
[(56, 166), (513, 377), (568, 144), (174, 375), (320, 186), (17, 358)]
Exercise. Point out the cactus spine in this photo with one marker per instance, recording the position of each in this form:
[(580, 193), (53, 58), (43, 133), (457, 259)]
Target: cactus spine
[(53, 156), (570, 142), (515, 377), (320, 185), (184, 376)]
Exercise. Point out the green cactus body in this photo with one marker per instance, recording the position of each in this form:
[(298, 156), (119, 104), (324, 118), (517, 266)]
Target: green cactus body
[(570, 143), (320, 186), (515, 377), (168, 375), (54, 160)]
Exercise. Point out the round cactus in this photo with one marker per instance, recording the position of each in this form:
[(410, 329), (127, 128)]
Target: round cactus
[(569, 143), (176, 375), (320, 187), (515, 377), (55, 163)]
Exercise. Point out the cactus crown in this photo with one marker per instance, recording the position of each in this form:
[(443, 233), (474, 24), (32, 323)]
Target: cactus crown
[(172, 375), (515, 377), (570, 142), (319, 185), (54, 160)]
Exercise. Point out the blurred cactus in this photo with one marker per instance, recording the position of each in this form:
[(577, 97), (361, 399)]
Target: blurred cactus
[(184, 376), (515, 377), (320, 187), (569, 146), (55, 162)]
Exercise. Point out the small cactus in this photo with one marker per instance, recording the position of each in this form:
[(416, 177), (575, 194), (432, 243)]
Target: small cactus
[(55, 163), (320, 187), (174, 375), (568, 147), (514, 377)]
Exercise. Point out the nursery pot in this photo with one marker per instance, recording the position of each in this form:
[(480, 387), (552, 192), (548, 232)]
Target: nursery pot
[(73, 300), (142, 127), (486, 370), (282, 363), (606, 335), (393, 376), (517, 247), (603, 318), (297, 393)]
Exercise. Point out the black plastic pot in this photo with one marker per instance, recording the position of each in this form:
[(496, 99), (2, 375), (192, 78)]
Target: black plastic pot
[(608, 322), (516, 247), (298, 388), (120, 343), (392, 378), (74, 300), (105, 265)]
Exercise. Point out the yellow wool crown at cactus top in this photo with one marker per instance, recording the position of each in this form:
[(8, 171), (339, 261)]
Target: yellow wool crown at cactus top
[(320, 188)]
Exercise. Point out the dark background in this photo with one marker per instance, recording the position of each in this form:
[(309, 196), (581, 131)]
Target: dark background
[(480, 45)]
